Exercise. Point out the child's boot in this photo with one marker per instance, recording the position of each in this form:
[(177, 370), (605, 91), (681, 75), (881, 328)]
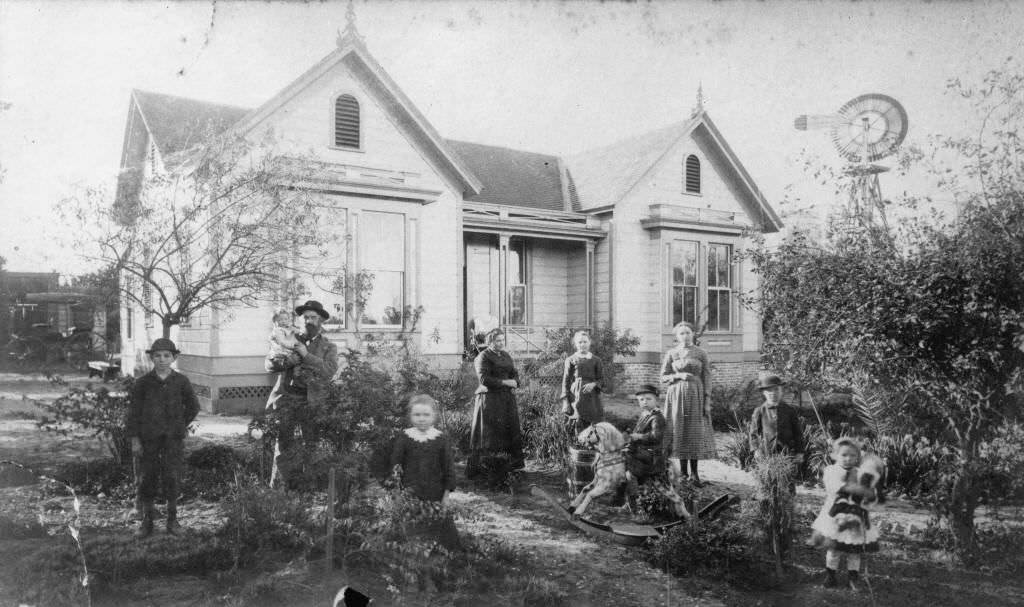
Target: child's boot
[(830, 578), (853, 581), (173, 527), (146, 526)]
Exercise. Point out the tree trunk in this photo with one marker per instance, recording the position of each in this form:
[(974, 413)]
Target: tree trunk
[(963, 503), (167, 328)]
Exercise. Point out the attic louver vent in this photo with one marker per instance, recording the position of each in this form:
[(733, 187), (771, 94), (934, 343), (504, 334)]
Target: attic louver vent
[(692, 174), (346, 122)]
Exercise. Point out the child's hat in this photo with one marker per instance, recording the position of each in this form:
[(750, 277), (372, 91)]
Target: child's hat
[(767, 381), (163, 343), (646, 389)]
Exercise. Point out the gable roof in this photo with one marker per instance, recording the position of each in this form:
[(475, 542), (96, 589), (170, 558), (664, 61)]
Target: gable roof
[(606, 175), (514, 177), (506, 176), (353, 53), (174, 123)]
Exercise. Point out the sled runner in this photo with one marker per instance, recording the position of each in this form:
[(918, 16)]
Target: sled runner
[(628, 534)]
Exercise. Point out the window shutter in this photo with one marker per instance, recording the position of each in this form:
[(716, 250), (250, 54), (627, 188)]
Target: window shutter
[(692, 174), (346, 122)]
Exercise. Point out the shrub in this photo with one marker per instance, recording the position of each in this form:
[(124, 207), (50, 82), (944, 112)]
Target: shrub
[(737, 450), (264, 523), (545, 434), (92, 477), (98, 410), (769, 514), (717, 549), (606, 342), (731, 405), (911, 462)]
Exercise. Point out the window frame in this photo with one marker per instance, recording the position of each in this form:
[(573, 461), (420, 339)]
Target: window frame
[(673, 285), (403, 274), (523, 285), (728, 288), (322, 293), (703, 288)]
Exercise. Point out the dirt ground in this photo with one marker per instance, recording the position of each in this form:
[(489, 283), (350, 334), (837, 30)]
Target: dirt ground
[(595, 572)]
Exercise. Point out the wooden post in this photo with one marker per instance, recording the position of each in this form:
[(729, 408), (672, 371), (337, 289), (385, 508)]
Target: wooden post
[(331, 496)]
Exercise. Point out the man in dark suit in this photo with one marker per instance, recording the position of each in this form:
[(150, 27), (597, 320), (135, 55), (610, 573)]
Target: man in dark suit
[(303, 387)]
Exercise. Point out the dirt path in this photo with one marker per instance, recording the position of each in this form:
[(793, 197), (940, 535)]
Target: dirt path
[(602, 572)]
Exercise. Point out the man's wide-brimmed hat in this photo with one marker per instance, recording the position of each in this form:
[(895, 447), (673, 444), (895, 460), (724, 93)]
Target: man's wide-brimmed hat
[(315, 306), (767, 381), (646, 389), (163, 343)]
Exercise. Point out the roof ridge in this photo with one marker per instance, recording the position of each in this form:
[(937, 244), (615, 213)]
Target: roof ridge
[(681, 126), (504, 147), (192, 99)]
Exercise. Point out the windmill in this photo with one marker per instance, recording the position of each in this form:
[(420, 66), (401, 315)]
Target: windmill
[(865, 129)]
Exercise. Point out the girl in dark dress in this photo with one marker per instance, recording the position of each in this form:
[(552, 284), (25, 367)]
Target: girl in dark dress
[(422, 457), (581, 385), (495, 429)]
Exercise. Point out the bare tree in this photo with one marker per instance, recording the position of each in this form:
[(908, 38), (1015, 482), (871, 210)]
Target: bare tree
[(219, 227)]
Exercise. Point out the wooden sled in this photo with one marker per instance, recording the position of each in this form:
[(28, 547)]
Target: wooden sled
[(628, 534)]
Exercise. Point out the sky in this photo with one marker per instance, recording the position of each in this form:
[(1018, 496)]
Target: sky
[(550, 77)]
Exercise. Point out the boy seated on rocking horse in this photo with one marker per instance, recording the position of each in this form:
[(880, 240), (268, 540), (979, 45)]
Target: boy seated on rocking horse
[(642, 461), (646, 451)]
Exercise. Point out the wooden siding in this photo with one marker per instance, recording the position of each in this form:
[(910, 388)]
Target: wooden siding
[(548, 271), (576, 285), (641, 289), (603, 276)]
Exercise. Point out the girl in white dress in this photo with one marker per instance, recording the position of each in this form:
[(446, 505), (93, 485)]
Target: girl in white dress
[(843, 527)]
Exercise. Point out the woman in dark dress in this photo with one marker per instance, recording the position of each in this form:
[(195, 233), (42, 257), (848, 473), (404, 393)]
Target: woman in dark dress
[(496, 429)]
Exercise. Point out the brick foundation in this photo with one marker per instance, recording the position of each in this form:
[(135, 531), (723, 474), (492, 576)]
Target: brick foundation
[(723, 374)]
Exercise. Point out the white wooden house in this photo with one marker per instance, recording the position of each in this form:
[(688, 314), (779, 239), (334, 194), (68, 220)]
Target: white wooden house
[(640, 234)]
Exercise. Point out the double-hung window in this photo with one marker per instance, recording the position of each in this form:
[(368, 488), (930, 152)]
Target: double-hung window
[(701, 284), (328, 263), (382, 238), (684, 266), (719, 287), (516, 282)]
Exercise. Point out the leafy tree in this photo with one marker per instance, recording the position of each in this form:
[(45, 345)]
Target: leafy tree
[(218, 226), (928, 326)]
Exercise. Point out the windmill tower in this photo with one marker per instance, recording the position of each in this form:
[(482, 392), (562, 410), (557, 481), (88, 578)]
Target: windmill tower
[(866, 129)]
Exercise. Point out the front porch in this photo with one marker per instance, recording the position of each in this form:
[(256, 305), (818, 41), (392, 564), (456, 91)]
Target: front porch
[(527, 271)]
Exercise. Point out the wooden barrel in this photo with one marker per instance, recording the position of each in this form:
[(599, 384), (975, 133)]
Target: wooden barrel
[(579, 469)]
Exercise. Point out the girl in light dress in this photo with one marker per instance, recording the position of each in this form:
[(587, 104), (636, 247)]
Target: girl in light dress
[(843, 526), (581, 385)]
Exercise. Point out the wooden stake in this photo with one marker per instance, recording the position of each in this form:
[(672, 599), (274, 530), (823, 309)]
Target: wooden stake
[(331, 496)]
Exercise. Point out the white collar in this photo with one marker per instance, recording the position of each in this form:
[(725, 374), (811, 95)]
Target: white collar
[(420, 436), (587, 356)]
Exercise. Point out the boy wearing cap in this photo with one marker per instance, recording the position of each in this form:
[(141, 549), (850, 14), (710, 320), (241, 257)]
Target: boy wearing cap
[(646, 446), (776, 425), (162, 406)]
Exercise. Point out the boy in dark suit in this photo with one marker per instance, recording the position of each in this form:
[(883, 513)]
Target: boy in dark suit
[(162, 406), (776, 426)]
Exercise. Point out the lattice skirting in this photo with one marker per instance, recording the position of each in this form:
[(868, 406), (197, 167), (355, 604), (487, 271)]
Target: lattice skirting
[(201, 390), (236, 392)]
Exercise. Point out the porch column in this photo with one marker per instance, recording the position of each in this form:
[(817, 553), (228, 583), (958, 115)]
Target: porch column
[(588, 319), (502, 278)]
